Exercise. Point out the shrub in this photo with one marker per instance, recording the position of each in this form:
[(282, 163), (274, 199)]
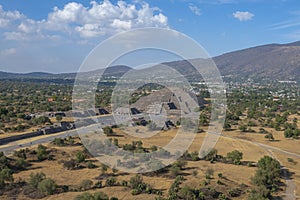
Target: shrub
[(88, 196), (180, 163), (59, 141), (152, 126), (21, 163), (21, 154), (243, 128), (98, 184), (220, 182), (235, 157), (47, 186), (262, 130), (107, 130), (35, 179), (111, 181), (135, 192), (5, 175), (209, 173), (80, 157), (195, 156), (220, 175), (153, 148), (187, 193), (86, 184), (270, 137), (85, 196), (291, 160), (100, 196), (124, 183), (70, 164), (42, 153), (135, 181), (211, 154), (174, 171), (195, 172), (104, 168), (90, 165)]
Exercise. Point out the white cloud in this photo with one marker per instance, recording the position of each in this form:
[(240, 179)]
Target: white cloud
[(7, 52), (195, 10), (6, 17), (74, 19), (243, 16)]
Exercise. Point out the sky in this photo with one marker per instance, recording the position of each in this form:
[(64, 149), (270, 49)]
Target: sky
[(56, 35)]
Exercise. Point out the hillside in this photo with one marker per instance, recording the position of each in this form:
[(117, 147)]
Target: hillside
[(116, 71), (274, 61)]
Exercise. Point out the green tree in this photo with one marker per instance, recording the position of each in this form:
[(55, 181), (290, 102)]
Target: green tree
[(270, 137), (209, 173), (268, 173), (80, 156), (100, 196), (187, 193), (211, 154), (35, 179), (47, 186), (6, 175), (235, 157), (243, 128), (58, 118), (104, 168), (21, 163), (42, 152), (135, 181)]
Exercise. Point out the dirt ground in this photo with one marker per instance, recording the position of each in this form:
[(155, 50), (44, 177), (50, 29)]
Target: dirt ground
[(234, 175)]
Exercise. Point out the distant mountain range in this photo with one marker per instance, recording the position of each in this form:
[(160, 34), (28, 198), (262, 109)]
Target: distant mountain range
[(116, 71), (273, 62)]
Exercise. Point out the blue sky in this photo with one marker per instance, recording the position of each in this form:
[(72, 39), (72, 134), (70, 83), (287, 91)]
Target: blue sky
[(56, 35)]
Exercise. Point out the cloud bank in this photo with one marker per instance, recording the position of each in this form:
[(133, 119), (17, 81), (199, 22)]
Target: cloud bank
[(74, 19)]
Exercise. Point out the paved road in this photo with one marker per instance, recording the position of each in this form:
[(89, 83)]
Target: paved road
[(103, 121), (11, 147)]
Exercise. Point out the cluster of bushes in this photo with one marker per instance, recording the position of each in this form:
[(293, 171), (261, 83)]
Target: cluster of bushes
[(138, 186), (244, 129), (8, 166), (63, 141), (95, 196), (39, 186), (173, 190), (135, 146), (76, 163), (233, 157), (292, 133), (177, 167)]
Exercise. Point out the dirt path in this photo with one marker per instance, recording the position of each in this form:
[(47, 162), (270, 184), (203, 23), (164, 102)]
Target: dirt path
[(290, 185)]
